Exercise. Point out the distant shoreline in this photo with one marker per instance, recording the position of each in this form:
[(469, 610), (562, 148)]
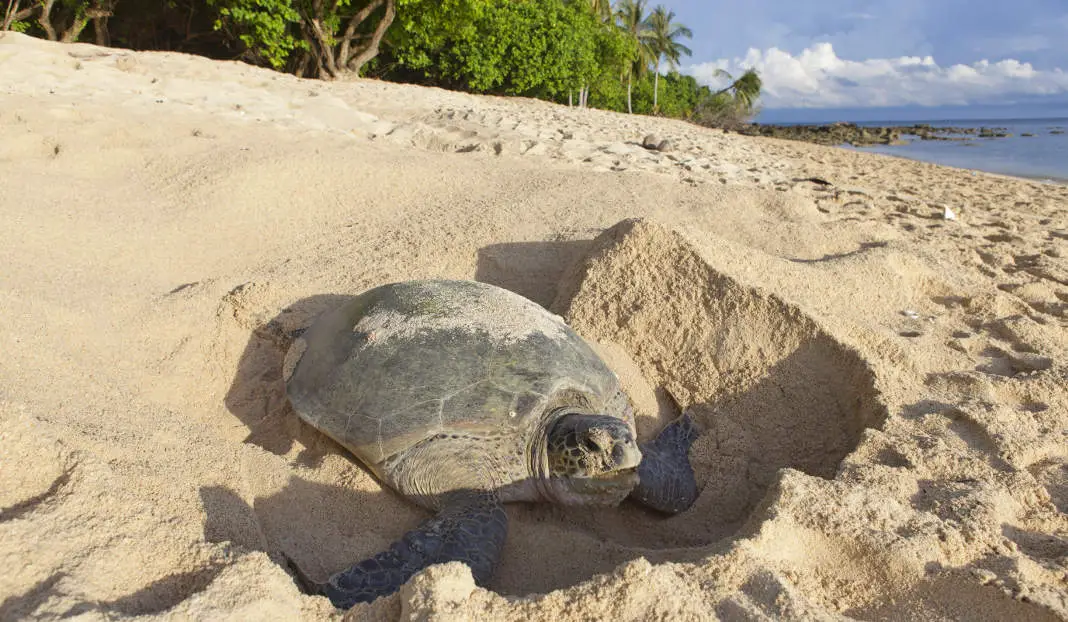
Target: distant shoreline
[(860, 135), (1031, 149)]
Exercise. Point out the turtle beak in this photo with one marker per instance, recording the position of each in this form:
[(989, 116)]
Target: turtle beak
[(625, 456), (605, 458), (610, 450), (619, 464), (598, 448)]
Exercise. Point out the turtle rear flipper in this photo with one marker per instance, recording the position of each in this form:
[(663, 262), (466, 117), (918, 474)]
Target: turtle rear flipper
[(470, 528), (666, 481)]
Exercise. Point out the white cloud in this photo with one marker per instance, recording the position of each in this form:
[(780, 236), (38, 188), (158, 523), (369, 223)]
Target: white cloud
[(818, 78)]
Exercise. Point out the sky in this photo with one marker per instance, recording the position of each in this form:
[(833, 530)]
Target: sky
[(919, 58)]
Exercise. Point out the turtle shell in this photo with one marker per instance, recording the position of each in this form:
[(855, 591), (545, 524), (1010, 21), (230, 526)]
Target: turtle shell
[(408, 361)]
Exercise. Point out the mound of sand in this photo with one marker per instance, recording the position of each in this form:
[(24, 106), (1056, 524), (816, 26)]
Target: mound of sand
[(882, 391)]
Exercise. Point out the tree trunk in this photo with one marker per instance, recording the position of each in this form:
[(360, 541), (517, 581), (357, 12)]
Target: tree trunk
[(9, 14), (14, 14), (322, 47), (350, 31), (71, 34), (99, 13), (726, 88), (656, 84), (45, 20), (629, 109), (371, 49), (100, 29), (302, 66)]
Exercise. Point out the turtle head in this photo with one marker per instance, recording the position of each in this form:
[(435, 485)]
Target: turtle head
[(592, 459)]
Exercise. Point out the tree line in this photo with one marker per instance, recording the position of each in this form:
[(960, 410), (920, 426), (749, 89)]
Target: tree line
[(584, 52)]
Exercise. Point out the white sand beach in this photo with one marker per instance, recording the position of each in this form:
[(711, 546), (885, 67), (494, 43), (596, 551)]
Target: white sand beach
[(884, 391)]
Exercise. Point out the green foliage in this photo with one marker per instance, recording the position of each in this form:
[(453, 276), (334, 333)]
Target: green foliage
[(552, 49), (425, 29), (615, 50), (541, 48), (679, 95), (315, 37), (270, 29), (544, 48), (608, 92)]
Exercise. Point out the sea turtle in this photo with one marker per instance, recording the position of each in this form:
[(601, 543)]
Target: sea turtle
[(462, 396)]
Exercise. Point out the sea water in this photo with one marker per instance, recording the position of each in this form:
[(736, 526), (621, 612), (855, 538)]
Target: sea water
[(1043, 156)]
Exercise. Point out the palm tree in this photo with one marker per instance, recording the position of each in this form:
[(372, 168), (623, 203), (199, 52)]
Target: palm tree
[(733, 104), (631, 16), (745, 90), (665, 32), (602, 9)]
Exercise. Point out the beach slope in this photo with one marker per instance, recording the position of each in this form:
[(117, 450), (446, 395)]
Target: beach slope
[(883, 389)]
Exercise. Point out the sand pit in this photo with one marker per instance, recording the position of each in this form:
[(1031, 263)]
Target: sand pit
[(772, 388), (883, 390)]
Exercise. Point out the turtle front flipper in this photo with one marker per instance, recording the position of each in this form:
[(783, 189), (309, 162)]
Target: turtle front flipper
[(470, 528), (666, 481)]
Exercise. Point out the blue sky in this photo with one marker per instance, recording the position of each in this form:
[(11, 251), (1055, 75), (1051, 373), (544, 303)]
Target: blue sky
[(857, 54)]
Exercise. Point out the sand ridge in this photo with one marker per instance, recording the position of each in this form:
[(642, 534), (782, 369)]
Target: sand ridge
[(883, 390)]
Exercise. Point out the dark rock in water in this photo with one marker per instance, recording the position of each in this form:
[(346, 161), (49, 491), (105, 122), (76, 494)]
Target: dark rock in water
[(1056, 131), (859, 136), (834, 134), (1026, 134), (993, 132)]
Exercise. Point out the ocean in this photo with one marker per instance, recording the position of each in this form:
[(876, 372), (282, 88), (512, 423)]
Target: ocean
[(1043, 156)]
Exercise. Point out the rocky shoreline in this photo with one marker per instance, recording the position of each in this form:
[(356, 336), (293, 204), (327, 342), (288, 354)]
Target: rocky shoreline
[(860, 136)]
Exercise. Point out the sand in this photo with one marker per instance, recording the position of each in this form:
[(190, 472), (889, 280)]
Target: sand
[(883, 391)]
